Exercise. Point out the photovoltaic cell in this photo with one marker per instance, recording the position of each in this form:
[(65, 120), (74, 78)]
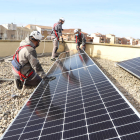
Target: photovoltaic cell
[(80, 104), (131, 65)]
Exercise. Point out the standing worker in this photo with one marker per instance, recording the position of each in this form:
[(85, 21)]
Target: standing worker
[(25, 65), (56, 34), (80, 39)]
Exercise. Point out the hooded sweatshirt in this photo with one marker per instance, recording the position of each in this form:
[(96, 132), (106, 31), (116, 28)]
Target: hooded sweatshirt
[(28, 56)]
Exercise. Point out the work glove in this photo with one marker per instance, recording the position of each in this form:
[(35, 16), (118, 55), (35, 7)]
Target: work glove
[(46, 78), (78, 48)]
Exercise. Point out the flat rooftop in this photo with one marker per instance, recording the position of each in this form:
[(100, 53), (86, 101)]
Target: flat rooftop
[(128, 84)]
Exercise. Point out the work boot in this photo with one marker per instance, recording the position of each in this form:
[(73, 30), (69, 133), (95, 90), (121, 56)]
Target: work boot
[(53, 59), (18, 83)]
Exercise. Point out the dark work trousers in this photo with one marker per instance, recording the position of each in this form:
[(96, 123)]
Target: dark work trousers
[(33, 80), (55, 46)]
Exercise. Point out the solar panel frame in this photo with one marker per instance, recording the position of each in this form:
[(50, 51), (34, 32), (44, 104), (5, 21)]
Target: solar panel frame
[(22, 108), (120, 64), (84, 136), (118, 90)]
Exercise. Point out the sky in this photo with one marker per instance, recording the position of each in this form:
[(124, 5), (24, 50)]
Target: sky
[(120, 17)]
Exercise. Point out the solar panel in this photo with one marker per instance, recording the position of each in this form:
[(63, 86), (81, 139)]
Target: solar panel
[(80, 104), (131, 65)]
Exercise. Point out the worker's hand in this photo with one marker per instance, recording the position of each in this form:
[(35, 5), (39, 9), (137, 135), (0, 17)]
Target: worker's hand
[(82, 47), (46, 78), (78, 48)]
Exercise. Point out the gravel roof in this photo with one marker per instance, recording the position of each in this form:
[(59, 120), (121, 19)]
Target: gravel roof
[(128, 84), (9, 107)]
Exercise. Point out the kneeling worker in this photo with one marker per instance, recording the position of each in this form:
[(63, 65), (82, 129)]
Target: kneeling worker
[(80, 39), (25, 65)]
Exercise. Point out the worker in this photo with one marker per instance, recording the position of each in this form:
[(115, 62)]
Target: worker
[(25, 65), (55, 35), (80, 39)]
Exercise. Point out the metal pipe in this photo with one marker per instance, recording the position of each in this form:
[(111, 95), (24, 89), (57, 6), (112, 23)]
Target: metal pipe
[(6, 79), (43, 49)]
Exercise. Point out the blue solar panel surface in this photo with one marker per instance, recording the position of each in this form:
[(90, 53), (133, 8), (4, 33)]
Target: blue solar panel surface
[(131, 65), (80, 104)]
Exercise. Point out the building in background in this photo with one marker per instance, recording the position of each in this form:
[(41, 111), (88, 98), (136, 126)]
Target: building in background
[(3, 32), (132, 40), (44, 30), (22, 33), (13, 32), (111, 37), (118, 40), (99, 38), (138, 42), (7, 31), (68, 35), (10, 26)]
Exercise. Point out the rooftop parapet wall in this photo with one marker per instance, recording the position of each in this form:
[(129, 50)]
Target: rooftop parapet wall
[(8, 48), (114, 52)]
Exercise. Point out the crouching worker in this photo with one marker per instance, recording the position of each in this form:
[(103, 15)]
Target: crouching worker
[(80, 39), (25, 65)]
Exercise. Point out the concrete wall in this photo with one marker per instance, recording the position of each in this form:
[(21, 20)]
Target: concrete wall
[(8, 48), (115, 52)]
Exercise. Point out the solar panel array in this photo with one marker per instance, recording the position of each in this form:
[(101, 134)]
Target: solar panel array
[(131, 65), (80, 104)]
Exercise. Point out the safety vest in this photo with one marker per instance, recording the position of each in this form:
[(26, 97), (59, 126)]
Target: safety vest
[(17, 66)]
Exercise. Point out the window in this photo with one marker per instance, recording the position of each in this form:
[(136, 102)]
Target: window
[(12, 36)]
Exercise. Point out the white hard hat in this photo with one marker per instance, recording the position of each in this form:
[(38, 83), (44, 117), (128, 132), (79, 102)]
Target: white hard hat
[(62, 19), (76, 30), (36, 35)]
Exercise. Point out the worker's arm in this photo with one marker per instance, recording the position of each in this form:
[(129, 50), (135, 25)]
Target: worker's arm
[(83, 39), (32, 58), (59, 28)]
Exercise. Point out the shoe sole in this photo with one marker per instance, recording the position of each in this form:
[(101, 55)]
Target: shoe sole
[(53, 59)]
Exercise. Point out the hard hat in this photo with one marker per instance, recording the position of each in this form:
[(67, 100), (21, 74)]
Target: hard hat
[(76, 30), (62, 19), (36, 35)]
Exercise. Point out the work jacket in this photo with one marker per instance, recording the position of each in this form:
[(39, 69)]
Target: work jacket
[(57, 30), (80, 39), (28, 56)]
